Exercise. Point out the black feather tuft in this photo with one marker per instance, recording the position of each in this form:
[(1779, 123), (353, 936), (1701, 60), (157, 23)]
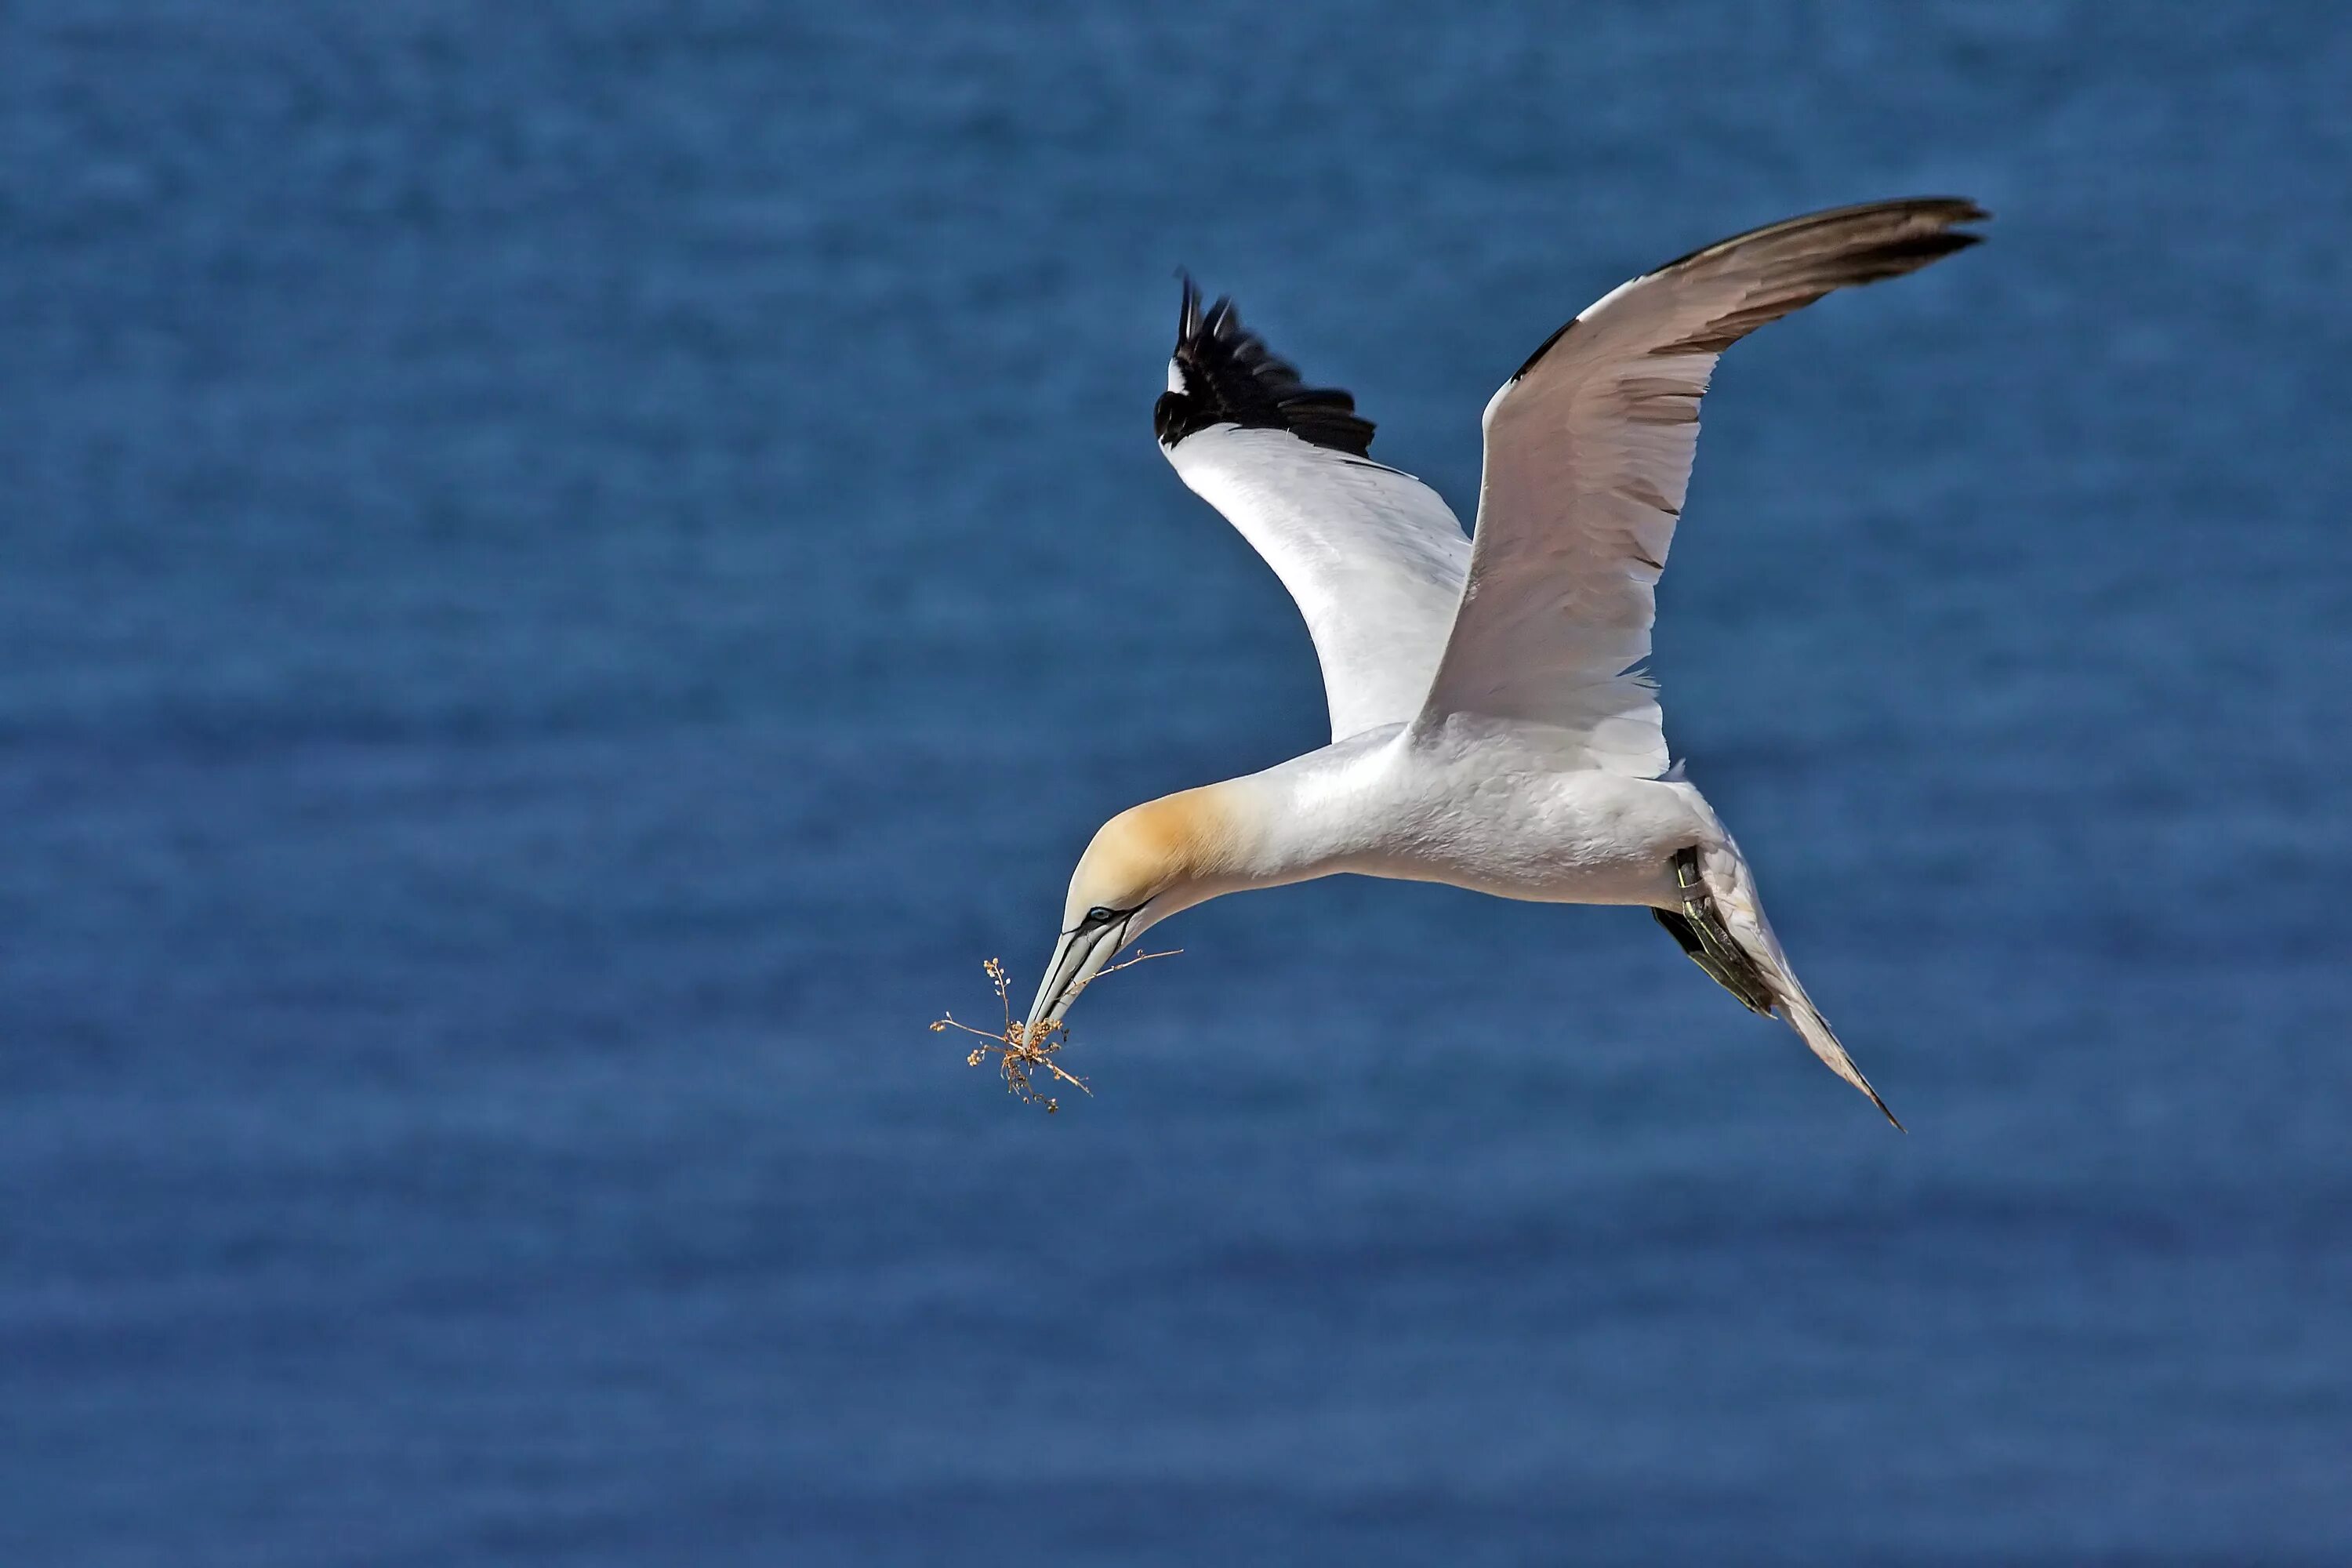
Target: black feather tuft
[(1231, 377)]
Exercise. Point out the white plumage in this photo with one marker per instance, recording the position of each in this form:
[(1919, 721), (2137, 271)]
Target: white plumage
[(1491, 726), (1373, 557)]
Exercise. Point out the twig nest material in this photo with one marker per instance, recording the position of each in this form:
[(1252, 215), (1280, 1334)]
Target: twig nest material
[(1024, 1057)]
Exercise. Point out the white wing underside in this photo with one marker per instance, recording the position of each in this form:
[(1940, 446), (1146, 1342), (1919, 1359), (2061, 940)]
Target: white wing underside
[(1375, 560)]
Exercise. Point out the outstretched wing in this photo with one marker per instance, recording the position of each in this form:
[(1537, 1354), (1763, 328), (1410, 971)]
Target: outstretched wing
[(1589, 452), (1373, 557)]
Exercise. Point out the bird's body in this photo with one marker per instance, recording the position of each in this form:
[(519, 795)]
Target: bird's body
[(1492, 728), (1481, 808)]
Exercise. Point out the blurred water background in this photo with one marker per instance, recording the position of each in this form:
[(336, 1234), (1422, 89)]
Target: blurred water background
[(566, 575)]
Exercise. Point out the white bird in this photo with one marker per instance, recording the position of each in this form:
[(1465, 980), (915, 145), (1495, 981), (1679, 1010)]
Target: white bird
[(1491, 725)]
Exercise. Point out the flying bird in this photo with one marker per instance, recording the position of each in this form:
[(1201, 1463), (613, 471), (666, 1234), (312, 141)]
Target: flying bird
[(1492, 726)]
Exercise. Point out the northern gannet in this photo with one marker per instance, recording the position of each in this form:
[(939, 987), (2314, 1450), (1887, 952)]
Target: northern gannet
[(1491, 725)]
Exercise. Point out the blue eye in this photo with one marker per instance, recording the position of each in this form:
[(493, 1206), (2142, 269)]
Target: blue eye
[(1100, 916)]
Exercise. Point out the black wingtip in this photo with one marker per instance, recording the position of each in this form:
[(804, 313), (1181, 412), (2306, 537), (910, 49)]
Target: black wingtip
[(1227, 375)]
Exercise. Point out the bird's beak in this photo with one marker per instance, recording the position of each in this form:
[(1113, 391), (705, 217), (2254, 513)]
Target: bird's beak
[(1077, 958)]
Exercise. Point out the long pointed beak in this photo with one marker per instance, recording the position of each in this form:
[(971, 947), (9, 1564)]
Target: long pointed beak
[(1077, 958)]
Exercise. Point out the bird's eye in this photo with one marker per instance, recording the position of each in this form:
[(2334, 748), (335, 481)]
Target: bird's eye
[(1099, 916)]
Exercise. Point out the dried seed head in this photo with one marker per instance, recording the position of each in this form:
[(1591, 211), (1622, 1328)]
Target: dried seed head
[(1024, 1056)]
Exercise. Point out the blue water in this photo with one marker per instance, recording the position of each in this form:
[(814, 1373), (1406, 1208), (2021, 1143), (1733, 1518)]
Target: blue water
[(565, 577)]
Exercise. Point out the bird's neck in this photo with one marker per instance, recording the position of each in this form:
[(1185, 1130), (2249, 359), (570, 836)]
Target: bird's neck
[(1296, 821)]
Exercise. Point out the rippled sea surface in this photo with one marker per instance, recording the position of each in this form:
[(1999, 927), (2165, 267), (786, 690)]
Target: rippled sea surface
[(564, 578)]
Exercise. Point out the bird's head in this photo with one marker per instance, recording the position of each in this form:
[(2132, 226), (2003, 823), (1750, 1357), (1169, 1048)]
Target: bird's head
[(1144, 865)]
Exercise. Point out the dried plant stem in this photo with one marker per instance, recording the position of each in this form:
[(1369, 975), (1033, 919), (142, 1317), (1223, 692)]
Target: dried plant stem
[(1128, 963), (1021, 1053)]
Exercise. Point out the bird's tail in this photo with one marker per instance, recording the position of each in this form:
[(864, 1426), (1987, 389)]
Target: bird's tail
[(1722, 926)]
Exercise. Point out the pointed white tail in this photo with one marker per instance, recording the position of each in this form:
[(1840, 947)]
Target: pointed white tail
[(1732, 885)]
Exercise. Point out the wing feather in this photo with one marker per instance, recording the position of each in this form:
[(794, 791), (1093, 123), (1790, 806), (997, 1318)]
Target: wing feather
[(1589, 451), (1373, 557)]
